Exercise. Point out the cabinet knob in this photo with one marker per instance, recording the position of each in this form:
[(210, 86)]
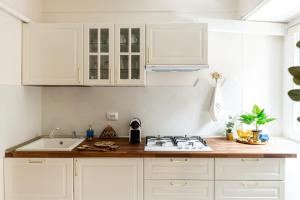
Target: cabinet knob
[(78, 74)]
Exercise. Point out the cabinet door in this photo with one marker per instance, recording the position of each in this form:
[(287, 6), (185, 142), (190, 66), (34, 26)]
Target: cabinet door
[(53, 54), (108, 178), (250, 190), (178, 190), (129, 54), (38, 178), (176, 44), (98, 54)]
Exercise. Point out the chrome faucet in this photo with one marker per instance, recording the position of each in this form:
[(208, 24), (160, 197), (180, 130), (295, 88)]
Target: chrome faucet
[(52, 132), (74, 134)]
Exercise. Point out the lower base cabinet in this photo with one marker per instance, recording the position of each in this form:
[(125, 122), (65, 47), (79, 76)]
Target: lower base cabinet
[(250, 190), (178, 190), (38, 178), (128, 179), (108, 179)]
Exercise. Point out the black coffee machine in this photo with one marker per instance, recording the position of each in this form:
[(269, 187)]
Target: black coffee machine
[(135, 131)]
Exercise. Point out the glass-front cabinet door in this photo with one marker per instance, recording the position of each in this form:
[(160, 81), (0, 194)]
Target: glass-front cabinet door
[(99, 54), (130, 54)]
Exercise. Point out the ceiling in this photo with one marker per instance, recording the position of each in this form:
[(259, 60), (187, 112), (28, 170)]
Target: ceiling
[(275, 11)]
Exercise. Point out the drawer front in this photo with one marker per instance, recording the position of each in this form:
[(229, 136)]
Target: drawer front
[(179, 168), (178, 190), (250, 190), (249, 168)]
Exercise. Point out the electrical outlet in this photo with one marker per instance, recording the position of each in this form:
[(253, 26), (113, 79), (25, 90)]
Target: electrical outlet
[(112, 116)]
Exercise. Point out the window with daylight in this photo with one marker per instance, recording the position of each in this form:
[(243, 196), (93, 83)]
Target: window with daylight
[(296, 105)]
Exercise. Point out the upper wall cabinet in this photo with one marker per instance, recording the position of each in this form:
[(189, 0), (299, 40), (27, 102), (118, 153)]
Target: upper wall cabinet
[(53, 54), (176, 44), (99, 54), (130, 54)]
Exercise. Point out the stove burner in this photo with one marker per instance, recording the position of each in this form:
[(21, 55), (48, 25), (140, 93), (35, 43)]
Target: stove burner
[(176, 143)]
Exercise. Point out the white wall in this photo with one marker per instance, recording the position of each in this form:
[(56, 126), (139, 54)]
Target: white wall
[(170, 110), (20, 107)]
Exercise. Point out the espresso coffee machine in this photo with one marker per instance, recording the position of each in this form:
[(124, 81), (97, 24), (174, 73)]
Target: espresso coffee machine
[(135, 131)]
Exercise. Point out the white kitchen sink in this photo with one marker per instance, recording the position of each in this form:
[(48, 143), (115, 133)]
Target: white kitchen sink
[(52, 144)]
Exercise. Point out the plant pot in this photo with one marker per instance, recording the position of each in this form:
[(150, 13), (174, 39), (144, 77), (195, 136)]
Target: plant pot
[(256, 134), (229, 136)]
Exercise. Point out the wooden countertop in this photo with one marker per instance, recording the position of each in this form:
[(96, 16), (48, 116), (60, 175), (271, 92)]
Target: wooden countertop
[(276, 148)]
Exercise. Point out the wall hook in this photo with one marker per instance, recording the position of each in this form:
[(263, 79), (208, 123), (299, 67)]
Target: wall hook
[(217, 76)]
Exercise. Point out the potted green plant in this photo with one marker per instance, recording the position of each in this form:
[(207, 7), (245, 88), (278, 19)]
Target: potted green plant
[(229, 127), (258, 117)]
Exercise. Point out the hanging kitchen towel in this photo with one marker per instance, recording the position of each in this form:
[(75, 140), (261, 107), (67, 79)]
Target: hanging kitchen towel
[(216, 107)]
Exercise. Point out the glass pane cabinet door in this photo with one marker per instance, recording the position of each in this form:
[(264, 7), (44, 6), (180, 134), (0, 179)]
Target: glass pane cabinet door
[(130, 61), (99, 55)]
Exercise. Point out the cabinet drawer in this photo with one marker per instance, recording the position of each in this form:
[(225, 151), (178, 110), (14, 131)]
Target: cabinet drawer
[(249, 168), (178, 190), (179, 168), (250, 190)]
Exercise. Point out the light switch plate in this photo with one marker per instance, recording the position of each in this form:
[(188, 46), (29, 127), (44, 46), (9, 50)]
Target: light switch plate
[(112, 116)]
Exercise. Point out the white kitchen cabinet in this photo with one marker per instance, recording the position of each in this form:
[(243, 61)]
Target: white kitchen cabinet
[(250, 190), (108, 178), (178, 190), (130, 54), (179, 168), (249, 168), (176, 44), (98, 54), (52, 54), (38, 178)]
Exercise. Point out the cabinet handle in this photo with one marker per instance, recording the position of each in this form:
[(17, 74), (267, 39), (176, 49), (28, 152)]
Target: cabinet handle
[(250, 159), (78, 74), (76, 168), (178, 184), (249, 184), (179, 161), (148, 54), (36, 161)]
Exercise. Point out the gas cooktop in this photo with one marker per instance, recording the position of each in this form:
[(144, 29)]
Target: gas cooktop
[(176, 143)]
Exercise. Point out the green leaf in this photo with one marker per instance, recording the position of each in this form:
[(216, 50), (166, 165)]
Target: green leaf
[(256, 110), (295, 71), (298, 44), (296, 81), (294, 94), (261, 121), (270, 120), (261, 114), (247, 119)]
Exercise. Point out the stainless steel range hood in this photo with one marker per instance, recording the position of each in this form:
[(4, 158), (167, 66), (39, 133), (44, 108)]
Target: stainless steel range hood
[(175, 68)]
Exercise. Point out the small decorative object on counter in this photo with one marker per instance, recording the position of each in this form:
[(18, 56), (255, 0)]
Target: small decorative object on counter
[(258, 117), (102, 146), (229, 128), (264, 137), (108, 133), (90, 133)]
